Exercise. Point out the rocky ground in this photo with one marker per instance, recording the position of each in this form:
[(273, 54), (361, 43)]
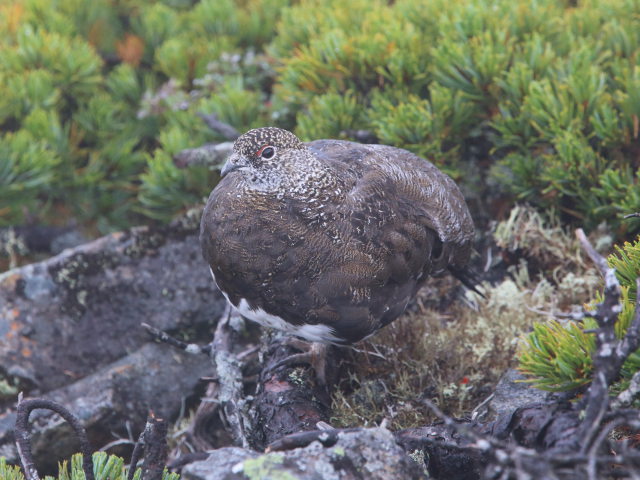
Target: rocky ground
[(72, 333)]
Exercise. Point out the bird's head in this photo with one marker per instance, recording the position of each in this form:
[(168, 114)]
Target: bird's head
[(264, 155)]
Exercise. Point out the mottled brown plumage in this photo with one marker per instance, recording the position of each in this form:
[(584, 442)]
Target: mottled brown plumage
[(330, 239)]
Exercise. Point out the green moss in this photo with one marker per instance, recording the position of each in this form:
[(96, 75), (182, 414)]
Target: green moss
[(339, 451)]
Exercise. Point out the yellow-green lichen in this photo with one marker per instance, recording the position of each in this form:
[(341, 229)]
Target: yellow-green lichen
[(339, 451), (7, 390), (298, 377), (266, 467)]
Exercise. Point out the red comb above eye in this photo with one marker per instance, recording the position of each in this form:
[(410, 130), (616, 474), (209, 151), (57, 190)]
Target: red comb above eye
[(259, 152)]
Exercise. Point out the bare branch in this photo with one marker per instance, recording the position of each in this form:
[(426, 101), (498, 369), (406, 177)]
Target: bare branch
[(23, 440), (229, 374), (625, 397), (211, 155), (164, 337), (595, 257), (631, 340), (226, 130)]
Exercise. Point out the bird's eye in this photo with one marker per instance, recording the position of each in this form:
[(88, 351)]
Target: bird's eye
[(266, 152)]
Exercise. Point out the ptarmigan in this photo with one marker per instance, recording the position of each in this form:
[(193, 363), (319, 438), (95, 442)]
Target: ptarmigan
[(330, 240)]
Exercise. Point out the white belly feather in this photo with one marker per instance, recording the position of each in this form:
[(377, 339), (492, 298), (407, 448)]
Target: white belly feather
[(313, 333)]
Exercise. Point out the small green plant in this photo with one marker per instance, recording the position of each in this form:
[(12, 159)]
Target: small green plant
[(557, 356), (9, 472), (105, 467)]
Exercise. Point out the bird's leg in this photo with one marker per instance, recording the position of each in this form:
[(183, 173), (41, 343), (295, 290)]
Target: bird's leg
[(313, 354)]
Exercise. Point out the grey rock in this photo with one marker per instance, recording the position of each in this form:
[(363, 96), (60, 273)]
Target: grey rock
[(370, 454), (220, 462), (512, 393), (65, 317), (70, 329), (152, 378), (69, 239)]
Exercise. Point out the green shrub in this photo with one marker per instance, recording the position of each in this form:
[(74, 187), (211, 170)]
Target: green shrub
[(550, 89), (540, 97), (97, 98)]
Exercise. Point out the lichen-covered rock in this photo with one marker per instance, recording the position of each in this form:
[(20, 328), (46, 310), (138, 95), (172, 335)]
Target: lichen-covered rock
[(370, 454), (70, 330), (63, 318)]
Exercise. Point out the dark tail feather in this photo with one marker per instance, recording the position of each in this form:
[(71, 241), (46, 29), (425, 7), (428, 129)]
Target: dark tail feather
[(468, 277)]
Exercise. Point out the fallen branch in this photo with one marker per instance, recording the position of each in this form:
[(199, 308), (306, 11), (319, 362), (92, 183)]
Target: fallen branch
[(234, 408), (327, 437)]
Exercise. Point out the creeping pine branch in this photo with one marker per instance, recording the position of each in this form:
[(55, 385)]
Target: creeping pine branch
[(23, 440), (211, 155)]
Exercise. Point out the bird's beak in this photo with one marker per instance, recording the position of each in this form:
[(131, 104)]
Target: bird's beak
[(234, 162)]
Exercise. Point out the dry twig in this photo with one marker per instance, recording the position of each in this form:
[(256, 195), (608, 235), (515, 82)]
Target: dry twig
[(164, 337), (23, 441), (153, 441)]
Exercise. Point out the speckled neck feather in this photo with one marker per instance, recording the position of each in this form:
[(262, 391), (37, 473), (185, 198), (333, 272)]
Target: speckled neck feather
[(293, 172)]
